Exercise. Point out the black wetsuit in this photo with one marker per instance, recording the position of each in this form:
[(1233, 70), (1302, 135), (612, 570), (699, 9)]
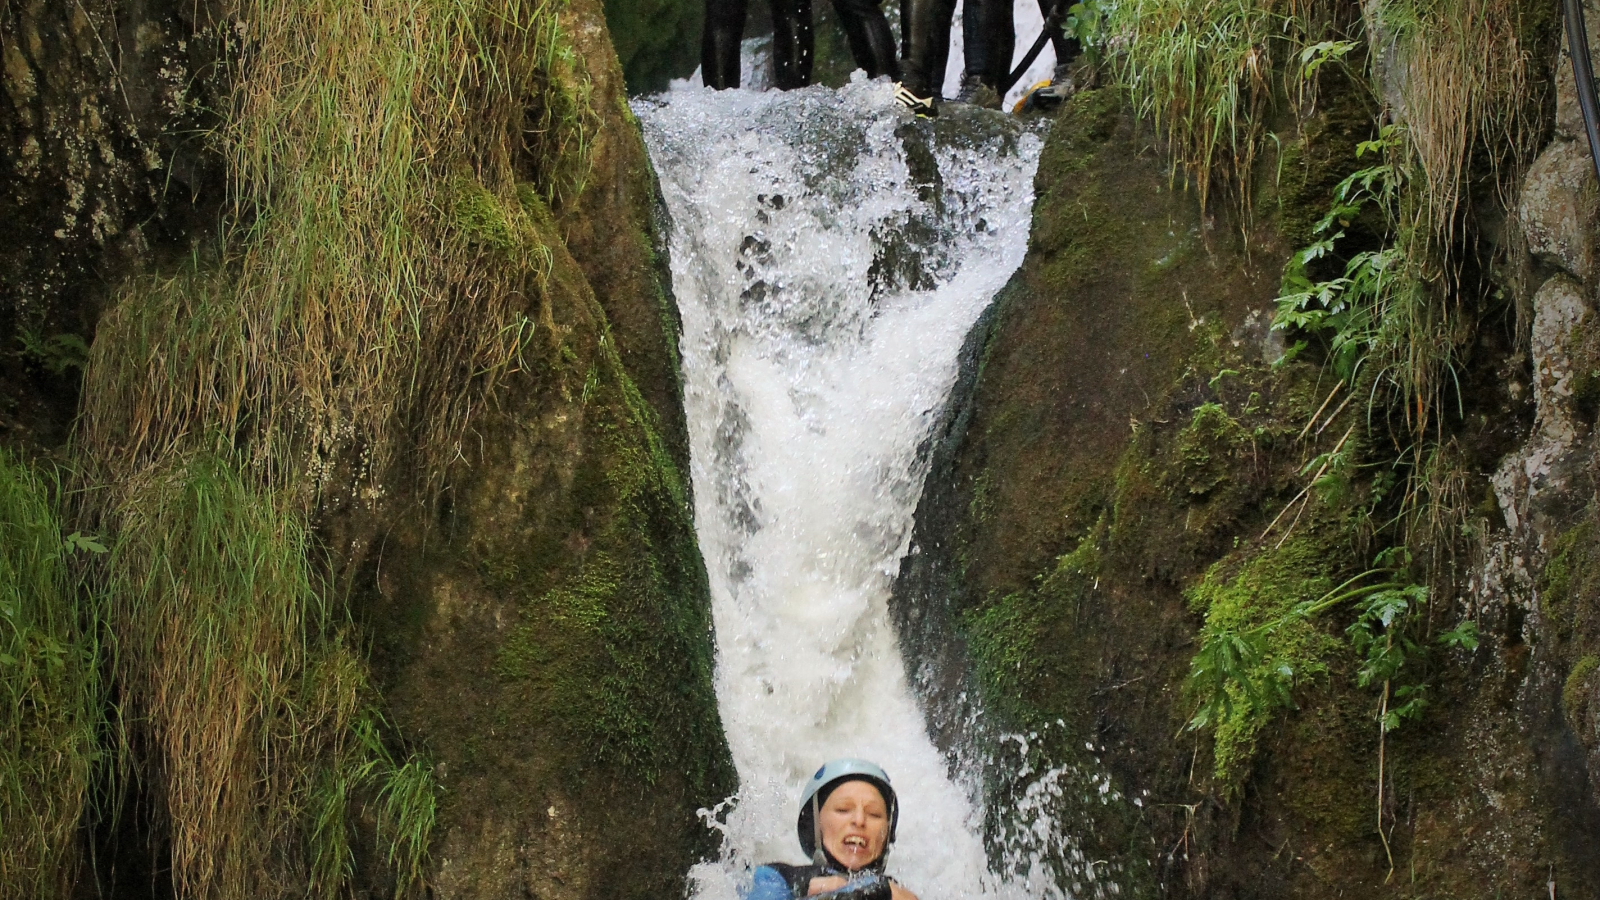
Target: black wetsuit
[(988, 40), (864, 26)]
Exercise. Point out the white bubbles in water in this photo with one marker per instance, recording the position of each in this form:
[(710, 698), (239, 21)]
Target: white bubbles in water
[(829, 256)]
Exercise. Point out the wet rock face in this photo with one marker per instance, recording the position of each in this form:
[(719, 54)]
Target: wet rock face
[(103, 166), (1124, 279), (1538, 578), (1074, 502), (1546, 470), (656, 40)]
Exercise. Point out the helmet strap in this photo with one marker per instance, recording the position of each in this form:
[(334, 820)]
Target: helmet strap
[(818, 856)]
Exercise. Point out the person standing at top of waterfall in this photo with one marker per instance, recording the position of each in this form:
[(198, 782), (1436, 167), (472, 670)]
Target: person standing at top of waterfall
[(864, 26), (988, 42), (846, 824)]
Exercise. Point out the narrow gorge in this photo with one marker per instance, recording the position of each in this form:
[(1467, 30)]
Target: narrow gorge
[(445, 452)]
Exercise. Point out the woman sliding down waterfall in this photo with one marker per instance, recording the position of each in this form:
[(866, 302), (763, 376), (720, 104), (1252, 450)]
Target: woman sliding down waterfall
[(846, 823)]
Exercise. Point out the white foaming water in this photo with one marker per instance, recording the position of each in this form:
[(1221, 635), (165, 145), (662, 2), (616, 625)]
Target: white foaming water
[(826, 281)]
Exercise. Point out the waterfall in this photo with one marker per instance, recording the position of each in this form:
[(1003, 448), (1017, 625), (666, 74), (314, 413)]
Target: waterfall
[(828, 256)]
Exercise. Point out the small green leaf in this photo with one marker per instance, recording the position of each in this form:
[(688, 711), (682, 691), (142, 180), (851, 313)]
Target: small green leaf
[(1461, 637)]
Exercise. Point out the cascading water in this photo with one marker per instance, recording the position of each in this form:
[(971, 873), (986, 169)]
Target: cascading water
[(829, 255)]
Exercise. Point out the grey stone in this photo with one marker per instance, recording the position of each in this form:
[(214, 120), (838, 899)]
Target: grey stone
[(1558, 208), (1558, 309), (1569, 118), (1531, 479)]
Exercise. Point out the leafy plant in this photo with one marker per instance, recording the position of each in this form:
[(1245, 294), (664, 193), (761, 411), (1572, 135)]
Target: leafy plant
[(1240, 674), (1317, 55), (1383, 307), (1085, 22), (57, 353)]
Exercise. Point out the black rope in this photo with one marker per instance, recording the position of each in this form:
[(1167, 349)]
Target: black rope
[(1583, 74), (1058, 14)]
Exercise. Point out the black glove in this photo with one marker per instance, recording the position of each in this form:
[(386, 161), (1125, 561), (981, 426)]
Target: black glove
[(872, 887)]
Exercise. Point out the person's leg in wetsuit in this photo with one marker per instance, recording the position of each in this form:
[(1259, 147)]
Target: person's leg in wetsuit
[(925, 49), (1067, 49), (868, 33), (792, 44), (719, 43), (988, 40)]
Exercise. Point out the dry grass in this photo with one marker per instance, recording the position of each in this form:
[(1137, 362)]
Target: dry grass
[(1201, 71), (1465, 72), (242, 703)]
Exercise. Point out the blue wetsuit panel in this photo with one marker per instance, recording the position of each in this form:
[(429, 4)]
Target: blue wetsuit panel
[(768, 885)]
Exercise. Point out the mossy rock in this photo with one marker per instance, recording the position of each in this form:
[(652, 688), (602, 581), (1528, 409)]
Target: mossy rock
[(543, 629), (656, 40)]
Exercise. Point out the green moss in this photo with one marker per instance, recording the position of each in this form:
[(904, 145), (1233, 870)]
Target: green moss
[(1133, 491), (1556, 582), (1313, 162), (477, 216), (1575, 693), (1238, 596), (533, 204), (1010, 637), (1206, 448), (615, 651), (1332, 791)]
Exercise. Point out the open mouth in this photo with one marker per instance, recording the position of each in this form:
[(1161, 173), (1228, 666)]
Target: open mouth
[(855, 843)]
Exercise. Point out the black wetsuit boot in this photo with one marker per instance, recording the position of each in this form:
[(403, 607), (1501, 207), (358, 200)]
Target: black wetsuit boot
[(988, 40), (925, 44)]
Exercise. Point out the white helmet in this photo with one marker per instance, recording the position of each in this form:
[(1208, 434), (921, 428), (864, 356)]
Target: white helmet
[(832, 774)]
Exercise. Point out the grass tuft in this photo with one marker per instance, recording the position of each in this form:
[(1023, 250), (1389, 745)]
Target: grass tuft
[(51, 693), (243, 707), (382, 272), (1201, 72), (395, 173), (1464, 74)]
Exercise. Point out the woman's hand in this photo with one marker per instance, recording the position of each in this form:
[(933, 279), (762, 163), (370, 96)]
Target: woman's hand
[(827, 883), (824, 883)]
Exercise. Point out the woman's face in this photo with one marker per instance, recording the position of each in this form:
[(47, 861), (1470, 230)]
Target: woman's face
[(855, 824)]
